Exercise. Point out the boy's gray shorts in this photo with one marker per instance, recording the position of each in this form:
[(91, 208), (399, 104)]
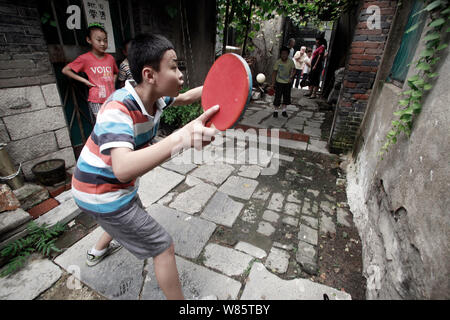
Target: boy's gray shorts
[(136, 230)]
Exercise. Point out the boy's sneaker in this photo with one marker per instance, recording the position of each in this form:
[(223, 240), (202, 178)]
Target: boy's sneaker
[(275, 114), (284, 114), (92, 260)]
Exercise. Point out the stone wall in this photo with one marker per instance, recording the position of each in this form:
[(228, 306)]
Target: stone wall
[(32, 120), (400, 204), (361, 70), (23, 52)]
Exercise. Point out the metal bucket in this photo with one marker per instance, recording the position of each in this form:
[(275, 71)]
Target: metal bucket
[(8, 173)]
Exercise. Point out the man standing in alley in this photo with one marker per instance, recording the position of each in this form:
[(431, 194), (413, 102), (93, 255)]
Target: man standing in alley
[(291, 45)]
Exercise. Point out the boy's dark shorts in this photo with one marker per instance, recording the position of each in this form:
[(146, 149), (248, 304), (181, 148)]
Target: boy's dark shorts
[(282, 90), (136, 230)]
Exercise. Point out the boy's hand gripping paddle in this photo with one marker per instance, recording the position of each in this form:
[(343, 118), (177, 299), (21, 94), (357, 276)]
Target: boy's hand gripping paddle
[(228, 84)]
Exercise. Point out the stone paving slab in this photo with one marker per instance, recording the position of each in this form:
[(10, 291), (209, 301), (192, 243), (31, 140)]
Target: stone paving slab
[(222, 210), (308, 234), (26, 284), (251, 212), (307, 257), (178, 166), (310, 221), (65, 196), (239, 187), (216, 174), (249, 171), (251, 250), (196, 282), (263, 285), (262, 193), (270, 216), (292, 144), (293, 197), (63, 213), (228, 261), (326, 224), (292, 209), (257, 117), (276, 202), (118, 276), (342, 217), (156, 184), (272, 122), (312, 131), (189, 233), (193, 200), (290, 221), (265, 228), (12, 219), (278, 260)]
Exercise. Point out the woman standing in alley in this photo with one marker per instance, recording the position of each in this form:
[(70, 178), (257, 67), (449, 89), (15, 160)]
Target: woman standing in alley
[(317, 61)]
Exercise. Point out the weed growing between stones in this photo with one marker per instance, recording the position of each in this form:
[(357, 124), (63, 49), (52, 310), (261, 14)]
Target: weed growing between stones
[(40, 239)]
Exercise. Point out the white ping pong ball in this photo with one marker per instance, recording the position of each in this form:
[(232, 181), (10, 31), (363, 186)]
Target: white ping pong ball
[(260, 78)]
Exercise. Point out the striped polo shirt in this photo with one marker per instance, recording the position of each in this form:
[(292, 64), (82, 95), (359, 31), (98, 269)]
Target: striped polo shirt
[(121, 122)]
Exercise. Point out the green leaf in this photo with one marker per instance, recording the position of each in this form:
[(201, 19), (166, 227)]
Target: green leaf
[(432, 36), (427, 53), (414, 27), (406, 117), (441, 47), (406, 93), (414, 78), (417, 108), (433, 5), (423, 66), (419, 83), (404, 102), (432, 75), (437, 22), (427, 87), (417, 94)]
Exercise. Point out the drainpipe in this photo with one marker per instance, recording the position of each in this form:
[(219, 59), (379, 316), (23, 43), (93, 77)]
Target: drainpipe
[(7, 171)]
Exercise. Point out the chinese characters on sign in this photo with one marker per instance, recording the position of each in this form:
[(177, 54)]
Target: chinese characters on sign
[(97, 11)]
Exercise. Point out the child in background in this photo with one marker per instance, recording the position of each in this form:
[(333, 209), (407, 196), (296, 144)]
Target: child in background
[(283, 73), (99, 66), (306, 68), (124, 68)]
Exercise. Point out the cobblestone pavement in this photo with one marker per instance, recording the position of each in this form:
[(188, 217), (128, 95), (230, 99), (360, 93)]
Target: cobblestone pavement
[(249, 220)]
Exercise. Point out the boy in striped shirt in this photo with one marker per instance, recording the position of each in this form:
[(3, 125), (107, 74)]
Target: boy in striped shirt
[(118, 152)]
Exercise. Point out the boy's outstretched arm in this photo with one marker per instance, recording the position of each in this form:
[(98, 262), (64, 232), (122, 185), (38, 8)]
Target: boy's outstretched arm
[(68, 72), (274, 76), (128, 164), (188, 97)]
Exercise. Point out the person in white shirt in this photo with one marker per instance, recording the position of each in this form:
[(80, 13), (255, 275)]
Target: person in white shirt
[(299, 58), (306, 68), (291, 45)]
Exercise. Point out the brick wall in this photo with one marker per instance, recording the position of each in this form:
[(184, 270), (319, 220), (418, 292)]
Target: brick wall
[(32, 119), (24, 57), (362, 66)]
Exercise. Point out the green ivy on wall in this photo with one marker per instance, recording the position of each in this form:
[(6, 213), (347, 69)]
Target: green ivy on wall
[(411, 104)]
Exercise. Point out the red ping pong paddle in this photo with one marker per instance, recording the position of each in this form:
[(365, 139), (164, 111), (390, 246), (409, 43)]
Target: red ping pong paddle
[(228, 84)]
